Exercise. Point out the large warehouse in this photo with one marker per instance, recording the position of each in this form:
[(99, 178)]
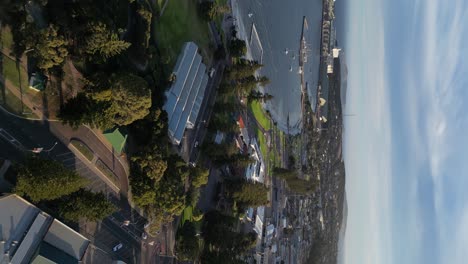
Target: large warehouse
[(185, 96)]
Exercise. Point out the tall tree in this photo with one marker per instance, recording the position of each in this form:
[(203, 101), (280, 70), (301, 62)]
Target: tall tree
[(102, 41), (43, 179), (237, 48), (199, 176), (207, 10), (131, 99), (151, 164), (246, 193), (85, 204), (50, 48), (188, 246)]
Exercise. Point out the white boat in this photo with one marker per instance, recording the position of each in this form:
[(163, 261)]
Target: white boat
[(290, 68), (286, 51), (250, 14)]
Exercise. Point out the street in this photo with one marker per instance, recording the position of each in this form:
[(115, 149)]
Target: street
[(106, 234)]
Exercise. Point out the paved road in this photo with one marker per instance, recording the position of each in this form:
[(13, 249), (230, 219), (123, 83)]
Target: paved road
[(107, 233)]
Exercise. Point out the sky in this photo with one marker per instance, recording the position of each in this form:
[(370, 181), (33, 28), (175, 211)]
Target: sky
[(406, 138)]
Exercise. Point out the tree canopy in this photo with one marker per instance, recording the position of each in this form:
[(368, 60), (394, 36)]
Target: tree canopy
[(237, 48), (188, 246), (120, 101), (247, 193), (50, 48), (102, 41), (131, 99), (222, 242), (207, 10), (199, 176), (85, 204), (43, 179)]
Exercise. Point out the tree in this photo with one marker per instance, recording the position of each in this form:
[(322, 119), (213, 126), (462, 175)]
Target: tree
[(43, 179), (294, 182), (258, 96), (199, 176), (188, 246), (223, 243), (207, 10), (237, 48), (131, 99), (102, 41), (246, 193), (50, 48), (243, 68), (85, 204), (263, 81), (151, 164), (143, 191)]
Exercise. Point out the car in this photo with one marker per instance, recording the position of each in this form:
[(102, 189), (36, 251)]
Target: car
[(196, 144), (144, 235), (117, 247)]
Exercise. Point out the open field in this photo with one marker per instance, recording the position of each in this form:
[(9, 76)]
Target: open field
[(178, 24), (6, 38), (259, 114)]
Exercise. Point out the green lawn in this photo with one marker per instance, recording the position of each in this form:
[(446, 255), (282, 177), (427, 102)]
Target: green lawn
[(186, 215), (262, 142), (10, 72), (83, 149), (178, 24), (259, 114), (6, 38)]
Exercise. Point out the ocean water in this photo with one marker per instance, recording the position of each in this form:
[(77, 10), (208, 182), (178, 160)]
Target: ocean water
[(270, 28)]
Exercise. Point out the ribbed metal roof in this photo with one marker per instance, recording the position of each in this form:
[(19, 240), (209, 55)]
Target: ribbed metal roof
[(185, 96)]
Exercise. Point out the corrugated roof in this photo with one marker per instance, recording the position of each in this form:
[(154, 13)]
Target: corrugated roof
[(186, 94)]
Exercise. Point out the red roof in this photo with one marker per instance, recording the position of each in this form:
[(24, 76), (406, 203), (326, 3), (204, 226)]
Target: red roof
[(241, 122)]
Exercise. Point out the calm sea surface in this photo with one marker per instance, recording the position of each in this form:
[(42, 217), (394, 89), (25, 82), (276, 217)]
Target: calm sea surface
[(272, 27)]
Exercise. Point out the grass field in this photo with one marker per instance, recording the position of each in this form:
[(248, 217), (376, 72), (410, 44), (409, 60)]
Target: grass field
[(186, 215), (6, 38), (178, 24), (11, 73), (259, 114), (83, 149)]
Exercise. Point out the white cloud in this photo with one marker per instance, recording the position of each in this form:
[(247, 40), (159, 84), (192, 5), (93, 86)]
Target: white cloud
[(368, 141), (412, 208)]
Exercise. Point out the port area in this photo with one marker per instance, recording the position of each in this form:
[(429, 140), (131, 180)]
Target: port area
[(309, 223)]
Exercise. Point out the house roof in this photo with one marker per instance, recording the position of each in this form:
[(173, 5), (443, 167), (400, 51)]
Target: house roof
[(29, 235), (117, 137), (67, 240), (241, 122)]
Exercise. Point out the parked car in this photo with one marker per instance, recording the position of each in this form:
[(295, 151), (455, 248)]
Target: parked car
[(144, 235), (117, 247)]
